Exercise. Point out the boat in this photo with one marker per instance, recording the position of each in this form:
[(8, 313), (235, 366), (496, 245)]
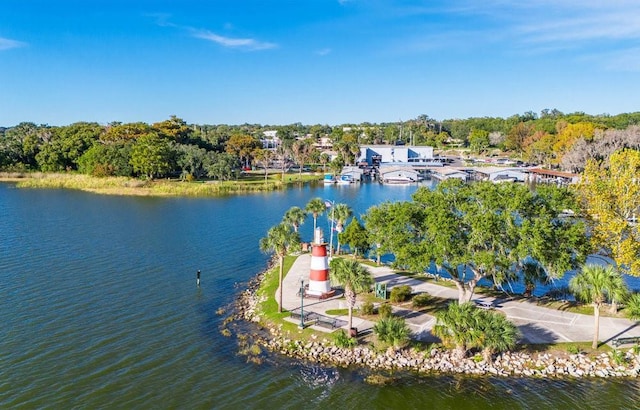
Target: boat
[(345, 180), (329, 179), (398, 180)]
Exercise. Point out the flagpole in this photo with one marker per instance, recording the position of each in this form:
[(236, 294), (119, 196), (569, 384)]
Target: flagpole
[(332, 206)]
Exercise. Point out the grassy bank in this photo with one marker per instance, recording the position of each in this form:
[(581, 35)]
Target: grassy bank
[(136, 187)]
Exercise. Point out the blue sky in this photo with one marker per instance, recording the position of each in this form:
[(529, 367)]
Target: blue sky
[(314, 61)]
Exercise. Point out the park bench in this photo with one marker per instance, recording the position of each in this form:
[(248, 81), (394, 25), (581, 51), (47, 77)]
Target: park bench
[(484, 305), (625, 340), (326, 322)]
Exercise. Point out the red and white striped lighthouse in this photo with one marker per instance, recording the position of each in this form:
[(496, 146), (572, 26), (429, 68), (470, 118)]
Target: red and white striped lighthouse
[(319, 283)]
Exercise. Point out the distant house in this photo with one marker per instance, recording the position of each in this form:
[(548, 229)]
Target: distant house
[(270, 139), (547, 176), (499, 174), (449, 173), (331, 154), (324, 143)]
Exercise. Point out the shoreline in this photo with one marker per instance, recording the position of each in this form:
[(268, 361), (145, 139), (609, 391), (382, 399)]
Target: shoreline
[(125, 186), (429, 359)]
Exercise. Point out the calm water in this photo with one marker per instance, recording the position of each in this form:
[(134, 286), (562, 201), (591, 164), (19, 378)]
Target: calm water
[(99, 309)]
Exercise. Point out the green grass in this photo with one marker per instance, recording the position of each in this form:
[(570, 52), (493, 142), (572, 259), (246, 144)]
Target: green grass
[(269, 306), (339, 312), (160, 187)]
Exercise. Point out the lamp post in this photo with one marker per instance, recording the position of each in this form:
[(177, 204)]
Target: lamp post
[(301, 326)]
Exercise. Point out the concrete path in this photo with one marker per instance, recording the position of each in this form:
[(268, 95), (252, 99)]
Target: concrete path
[(536, 324)]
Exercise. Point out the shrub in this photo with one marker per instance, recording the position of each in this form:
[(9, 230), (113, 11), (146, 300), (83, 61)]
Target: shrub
[(421, 300), (367, 308), (574, 349), (385, 310), (341, 339), (618, 357), (400, 293), (392, 330)]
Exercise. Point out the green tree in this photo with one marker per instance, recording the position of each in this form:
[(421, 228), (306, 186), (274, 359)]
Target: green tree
[(243, 146), (478, 140), (483, 230), (279, 240), (173, 129), (221, 165), (354, 277), (316, 207), (151, 155), (596, 284), (106, 160), (386, 225), (191, 159), (356, 237), (340, 214), (294, 216)]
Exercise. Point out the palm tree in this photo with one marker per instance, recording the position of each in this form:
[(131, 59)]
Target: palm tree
[(316, 207), (341, 212), (457, 326), (595, 284), (498, 333), (324, 160), (295, 216), (532, 273), (354, 277), (632, 306), (279, 240), (392, 330)]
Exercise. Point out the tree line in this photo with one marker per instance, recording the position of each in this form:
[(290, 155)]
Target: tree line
[(175, 148)]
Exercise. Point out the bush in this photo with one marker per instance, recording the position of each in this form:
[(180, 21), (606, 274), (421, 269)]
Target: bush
[(393, 331), (385, 310), (421, 300), (574, 349), (367, 308), (400, 293), (341, 339)]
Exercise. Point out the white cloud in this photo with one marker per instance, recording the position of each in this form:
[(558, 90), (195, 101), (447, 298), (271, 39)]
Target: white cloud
[(323, 51), (8, 44), (230, 42)]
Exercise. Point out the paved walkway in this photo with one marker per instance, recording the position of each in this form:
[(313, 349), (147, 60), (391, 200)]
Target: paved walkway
[(536, 324)]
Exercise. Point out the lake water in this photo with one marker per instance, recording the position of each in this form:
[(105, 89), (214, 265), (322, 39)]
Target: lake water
[(99, 309)]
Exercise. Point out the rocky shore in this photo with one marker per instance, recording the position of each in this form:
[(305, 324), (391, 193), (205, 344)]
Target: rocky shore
[(437, 360)]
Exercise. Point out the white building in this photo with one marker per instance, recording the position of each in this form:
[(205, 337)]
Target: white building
[(398, 175), (270, 139), (352, 173), (379, 154)]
